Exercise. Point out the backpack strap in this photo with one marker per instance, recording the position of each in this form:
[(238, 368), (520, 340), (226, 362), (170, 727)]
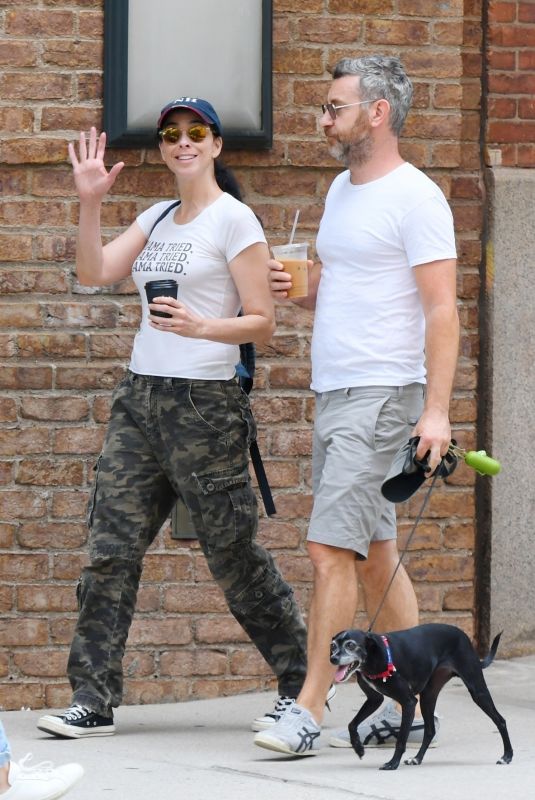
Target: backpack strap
[(164, 213)]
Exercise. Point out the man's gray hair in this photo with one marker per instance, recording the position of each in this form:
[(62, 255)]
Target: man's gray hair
[(381, 76)]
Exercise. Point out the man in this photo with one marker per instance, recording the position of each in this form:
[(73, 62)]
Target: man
[(384, 296)]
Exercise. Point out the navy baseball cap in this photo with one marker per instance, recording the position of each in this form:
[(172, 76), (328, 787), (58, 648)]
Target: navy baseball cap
[(203, 108)]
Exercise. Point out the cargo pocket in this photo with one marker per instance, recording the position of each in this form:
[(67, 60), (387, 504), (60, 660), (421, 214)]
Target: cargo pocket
[(228, 508), (266, 601)]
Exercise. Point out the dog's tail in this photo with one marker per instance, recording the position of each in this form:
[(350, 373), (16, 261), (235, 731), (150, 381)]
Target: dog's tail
[(492, 652)]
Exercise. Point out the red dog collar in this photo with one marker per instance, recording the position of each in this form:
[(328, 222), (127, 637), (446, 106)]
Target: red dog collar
[(390, 668)]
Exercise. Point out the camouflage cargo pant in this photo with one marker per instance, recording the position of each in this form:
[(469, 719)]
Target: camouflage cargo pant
[(169, 437)]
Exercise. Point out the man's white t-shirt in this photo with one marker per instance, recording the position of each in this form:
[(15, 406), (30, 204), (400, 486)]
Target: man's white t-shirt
[(196, 255), (369, 325)]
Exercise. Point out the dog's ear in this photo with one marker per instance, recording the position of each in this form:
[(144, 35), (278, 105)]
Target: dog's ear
[(373, 644)]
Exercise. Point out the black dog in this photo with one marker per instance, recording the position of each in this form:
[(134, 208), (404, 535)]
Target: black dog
[(416, 661)]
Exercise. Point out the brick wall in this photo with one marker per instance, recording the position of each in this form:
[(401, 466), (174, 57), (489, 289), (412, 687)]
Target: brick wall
[(510, 129), (63, 347)]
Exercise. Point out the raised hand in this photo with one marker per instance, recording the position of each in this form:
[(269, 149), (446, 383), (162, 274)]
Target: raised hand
[(91, 178)]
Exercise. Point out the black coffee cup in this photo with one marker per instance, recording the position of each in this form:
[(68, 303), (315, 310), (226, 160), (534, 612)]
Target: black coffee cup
[(166, 287)]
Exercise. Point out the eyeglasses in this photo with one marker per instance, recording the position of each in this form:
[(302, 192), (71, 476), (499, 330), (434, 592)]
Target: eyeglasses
[(196, 133), (332, 110)]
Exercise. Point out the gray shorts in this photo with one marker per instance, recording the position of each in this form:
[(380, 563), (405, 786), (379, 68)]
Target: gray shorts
[(357, 432)]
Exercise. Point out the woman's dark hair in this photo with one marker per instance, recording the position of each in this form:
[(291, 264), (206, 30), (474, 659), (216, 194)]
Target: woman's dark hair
[(226, 180)]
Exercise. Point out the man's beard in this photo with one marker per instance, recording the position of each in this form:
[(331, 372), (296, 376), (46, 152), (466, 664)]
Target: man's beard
[(354, 153)]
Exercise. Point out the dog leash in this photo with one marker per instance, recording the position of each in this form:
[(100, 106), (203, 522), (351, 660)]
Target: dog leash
[(402, 555)]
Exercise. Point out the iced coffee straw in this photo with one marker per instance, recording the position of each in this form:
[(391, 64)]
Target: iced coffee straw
[(294, 226)]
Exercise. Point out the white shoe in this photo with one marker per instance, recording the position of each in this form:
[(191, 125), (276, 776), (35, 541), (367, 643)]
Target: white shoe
[(296, 734), (42, 782), (282, 704), (381, 730)]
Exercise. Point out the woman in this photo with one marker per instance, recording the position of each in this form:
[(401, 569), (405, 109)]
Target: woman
[(180, 424)]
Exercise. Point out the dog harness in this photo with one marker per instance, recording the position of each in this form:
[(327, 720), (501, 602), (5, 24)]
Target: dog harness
[(390, 668)]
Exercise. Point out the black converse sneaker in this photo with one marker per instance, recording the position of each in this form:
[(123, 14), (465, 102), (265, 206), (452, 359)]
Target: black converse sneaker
[(77, 722)]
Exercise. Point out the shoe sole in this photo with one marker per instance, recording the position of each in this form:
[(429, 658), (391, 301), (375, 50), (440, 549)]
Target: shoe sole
[(280, 747), (386, 745), (71, 732)]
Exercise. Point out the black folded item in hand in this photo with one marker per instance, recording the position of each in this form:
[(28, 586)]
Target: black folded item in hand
[(407, 473)]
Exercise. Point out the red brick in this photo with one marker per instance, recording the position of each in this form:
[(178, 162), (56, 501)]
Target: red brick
[(219, 630), (441, 567), (6, 599), (166, 569), (22, 695), (428, 8), (111, 345), (329, 29), (190, 599), (91, 23), (276, 534), (512, 35), (69, 503), (68, 566), (46, 598), (526, 11), (459, 599), (21, 504), (291, 442), (16, 441), (138, 664), (48, 472), (44, 664), (52, 535), (18, 54), (75, 55), (388, 32), (248, 662), (8, 409), (81, 378), (360, 6), (502, 11), (101, 409), (34, 150), (185, 663), (39, 23), (64, 409), (511, 131), (141, 692), (154, 631), (15, 247), (78, 440), (19, 632)]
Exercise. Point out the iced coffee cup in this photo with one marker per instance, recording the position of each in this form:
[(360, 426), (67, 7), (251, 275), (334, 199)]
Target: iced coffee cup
[(294, 259)]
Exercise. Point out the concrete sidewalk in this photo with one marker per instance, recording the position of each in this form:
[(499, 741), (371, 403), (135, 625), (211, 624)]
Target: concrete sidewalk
[(203, 749)]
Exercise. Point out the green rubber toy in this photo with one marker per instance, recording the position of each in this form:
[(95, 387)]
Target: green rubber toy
[(482, 463)]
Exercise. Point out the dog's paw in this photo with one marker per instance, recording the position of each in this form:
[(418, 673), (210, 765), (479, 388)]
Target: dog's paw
[(390, 765), (359, 750), (356, 743), (505, 760), (413, 761)]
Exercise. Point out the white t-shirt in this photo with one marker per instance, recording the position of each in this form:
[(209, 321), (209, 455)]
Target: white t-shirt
[(196, 255), (369, 325)]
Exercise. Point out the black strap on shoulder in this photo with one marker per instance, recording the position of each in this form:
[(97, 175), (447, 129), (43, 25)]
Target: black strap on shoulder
[(164, 213)]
